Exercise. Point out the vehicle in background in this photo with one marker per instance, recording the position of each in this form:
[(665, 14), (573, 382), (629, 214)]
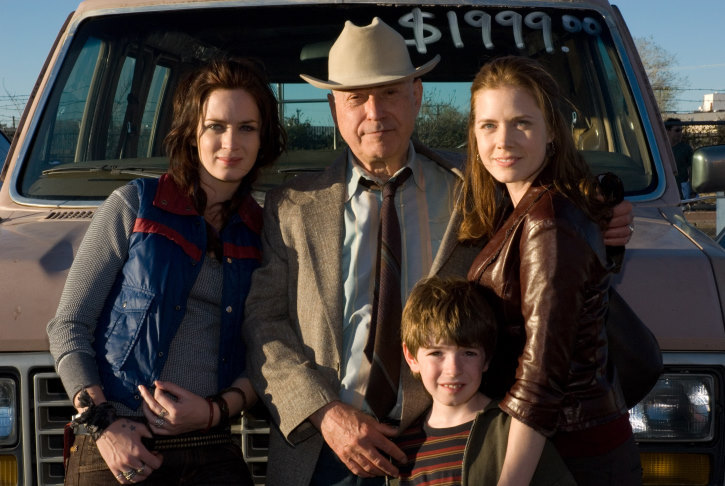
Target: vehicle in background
[(4, 147), (103, 106)]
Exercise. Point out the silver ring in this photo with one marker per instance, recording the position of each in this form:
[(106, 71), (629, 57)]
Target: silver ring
[(163, 413), (631, 228), (141, 469), (159, 422), (119, 475), (129, 475)]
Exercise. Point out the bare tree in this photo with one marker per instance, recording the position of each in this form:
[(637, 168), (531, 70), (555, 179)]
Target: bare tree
[(659, 65), (440, 124)]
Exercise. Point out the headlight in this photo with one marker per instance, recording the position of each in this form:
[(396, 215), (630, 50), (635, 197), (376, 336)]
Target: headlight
[(8, 412), (678, 409)]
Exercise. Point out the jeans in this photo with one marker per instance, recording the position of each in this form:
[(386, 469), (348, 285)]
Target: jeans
[(217, 465), (330, 471), (685, 190), (620, 467)]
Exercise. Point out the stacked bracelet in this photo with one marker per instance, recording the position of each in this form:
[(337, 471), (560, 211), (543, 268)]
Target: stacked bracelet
[(211, 414), (223, 405), (223, 408)]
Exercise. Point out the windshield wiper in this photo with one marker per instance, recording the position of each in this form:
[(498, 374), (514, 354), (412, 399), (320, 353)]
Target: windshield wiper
[(107, 169)]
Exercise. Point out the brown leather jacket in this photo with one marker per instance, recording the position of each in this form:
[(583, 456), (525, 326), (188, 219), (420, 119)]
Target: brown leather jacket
[(547, 271)]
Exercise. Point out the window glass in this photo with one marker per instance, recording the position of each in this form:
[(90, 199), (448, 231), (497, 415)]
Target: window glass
[(57, 138), (4, 147), (151, 113), (65, 128), (117, 129), (110, 109)]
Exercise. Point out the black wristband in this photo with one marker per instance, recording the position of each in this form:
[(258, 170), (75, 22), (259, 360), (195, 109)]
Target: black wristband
[(234, 389), (96, 418)]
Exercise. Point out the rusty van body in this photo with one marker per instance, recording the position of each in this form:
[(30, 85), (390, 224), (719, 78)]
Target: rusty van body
[(101, 107)]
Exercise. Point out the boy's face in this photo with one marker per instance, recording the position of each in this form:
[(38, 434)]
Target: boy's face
[(451, 374)]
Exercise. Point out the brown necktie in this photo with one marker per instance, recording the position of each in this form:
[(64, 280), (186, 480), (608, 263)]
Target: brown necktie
[(383, 345)]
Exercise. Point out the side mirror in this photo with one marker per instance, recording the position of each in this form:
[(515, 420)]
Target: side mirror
[(708, 169)]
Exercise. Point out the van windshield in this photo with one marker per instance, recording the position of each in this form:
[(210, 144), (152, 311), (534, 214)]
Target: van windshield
[(105, 120)]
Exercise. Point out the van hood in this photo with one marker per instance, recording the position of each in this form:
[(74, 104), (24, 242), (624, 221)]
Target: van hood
[(671, 278), (36, 252)]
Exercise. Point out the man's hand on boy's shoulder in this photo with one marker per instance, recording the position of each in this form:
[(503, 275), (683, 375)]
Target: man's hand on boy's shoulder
[(360, 441)]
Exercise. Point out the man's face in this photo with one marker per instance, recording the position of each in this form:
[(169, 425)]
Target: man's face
[(675, 134), (377, 123)]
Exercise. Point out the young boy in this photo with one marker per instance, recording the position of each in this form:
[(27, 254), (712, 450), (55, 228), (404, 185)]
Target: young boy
[(449, 335)]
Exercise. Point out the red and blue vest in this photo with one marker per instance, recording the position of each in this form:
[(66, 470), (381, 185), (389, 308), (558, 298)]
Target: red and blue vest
[(148, 299)]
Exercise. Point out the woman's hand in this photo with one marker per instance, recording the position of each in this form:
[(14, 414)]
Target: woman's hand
[(621, 226), (121, 447), (173, 410)]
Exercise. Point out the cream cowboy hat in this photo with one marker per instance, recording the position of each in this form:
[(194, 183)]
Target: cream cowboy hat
[(364, 57)]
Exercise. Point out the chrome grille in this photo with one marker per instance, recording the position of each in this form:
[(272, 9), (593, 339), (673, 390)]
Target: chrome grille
[(53, 410), (254, 435)]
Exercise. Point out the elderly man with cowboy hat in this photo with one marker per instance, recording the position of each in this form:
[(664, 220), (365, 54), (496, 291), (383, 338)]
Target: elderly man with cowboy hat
[(310, 306), (315, 299)]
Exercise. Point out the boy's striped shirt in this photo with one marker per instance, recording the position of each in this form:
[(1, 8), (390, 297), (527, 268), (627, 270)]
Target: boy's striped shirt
[(435, 456)]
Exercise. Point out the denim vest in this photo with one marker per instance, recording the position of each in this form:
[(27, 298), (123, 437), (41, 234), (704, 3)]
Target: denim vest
[(148, 299)]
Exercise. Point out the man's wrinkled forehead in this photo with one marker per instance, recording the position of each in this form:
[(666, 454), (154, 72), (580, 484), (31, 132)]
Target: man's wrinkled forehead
[(382, 87)]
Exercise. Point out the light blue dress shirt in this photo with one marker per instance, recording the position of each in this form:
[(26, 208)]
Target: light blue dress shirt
[(424, 204)]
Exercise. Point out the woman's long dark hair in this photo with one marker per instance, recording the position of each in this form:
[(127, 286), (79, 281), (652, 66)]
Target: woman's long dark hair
[(564, 168), (189, 100)]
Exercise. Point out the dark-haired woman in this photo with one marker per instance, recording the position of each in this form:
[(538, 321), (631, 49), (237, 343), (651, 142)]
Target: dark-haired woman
[(147, 335), (529, 191)]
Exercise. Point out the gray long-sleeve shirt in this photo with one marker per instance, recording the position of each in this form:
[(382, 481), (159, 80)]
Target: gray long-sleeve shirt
[(192, 358)]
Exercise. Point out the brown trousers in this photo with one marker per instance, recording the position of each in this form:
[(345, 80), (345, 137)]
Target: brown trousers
[(217, 465)]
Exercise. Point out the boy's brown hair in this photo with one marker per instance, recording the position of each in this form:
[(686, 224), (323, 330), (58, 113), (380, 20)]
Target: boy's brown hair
[(448, 310)]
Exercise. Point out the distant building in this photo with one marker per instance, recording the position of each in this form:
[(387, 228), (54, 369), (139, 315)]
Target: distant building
[(713, 102)]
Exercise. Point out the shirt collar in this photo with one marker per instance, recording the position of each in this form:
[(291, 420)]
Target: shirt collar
[(355, 172), (170, 198)]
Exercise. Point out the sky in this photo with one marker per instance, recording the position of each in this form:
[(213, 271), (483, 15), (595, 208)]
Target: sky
[(689, 30)]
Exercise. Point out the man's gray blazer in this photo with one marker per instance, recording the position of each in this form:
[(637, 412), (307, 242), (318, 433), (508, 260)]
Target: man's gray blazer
[(294, 314)]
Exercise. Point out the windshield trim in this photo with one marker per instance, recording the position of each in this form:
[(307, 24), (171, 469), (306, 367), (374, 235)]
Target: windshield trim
[(42, 98), (659, 190), (40, 102)]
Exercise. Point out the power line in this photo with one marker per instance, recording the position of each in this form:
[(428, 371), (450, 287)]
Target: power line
[(674, 88)]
